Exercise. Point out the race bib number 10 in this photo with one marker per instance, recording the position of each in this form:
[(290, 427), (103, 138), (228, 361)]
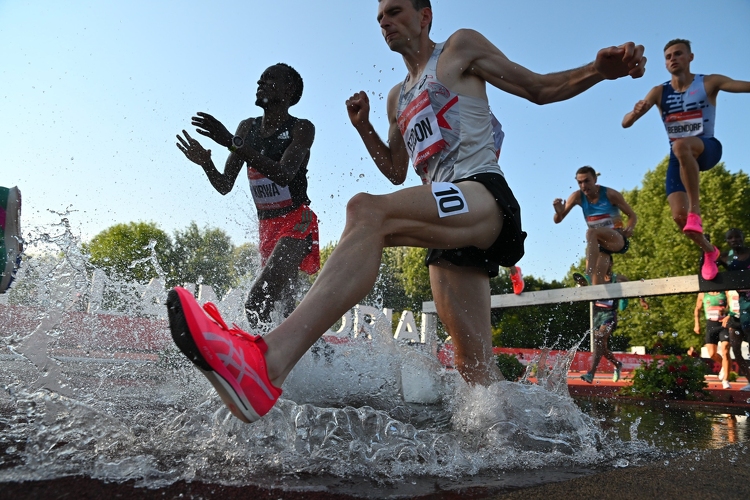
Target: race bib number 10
[(449, 198)]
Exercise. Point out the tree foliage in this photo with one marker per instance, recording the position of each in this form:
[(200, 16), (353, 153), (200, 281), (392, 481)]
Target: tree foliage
[(203, 256), (245, 260), (140, 251), (125, 251)]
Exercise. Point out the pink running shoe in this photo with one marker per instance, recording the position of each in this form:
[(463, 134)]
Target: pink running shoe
[(517, 281), (694, 224), (709, 269), (231, 359)]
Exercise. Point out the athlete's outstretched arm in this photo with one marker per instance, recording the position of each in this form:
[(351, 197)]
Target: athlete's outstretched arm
[(563, 208), (641, 107), (618, 200), (391, 159), (486, 61), (283, 171), (195, 152), (715, 83)]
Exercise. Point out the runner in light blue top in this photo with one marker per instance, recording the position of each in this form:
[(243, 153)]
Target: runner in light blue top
[(606, 233)]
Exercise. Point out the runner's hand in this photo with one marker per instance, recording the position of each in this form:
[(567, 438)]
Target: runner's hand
[(212, 128), (641, 107), (358, 108), (616, 62), (193, 150), (559, 205)]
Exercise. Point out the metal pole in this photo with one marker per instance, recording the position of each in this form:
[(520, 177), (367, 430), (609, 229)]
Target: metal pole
[(591, 324)]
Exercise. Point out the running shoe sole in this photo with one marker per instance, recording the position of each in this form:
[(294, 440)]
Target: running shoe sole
[(182, 337), (580, 279)]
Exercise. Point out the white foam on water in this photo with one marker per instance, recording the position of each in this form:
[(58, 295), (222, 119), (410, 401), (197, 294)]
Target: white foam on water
[(85, 410)]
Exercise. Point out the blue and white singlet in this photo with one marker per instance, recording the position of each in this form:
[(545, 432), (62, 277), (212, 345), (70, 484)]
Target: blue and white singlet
[(689, 113)]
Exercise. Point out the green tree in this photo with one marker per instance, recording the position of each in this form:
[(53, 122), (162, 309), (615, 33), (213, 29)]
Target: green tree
[(130, 252), (245, 260), (658, 250), (203, 256)]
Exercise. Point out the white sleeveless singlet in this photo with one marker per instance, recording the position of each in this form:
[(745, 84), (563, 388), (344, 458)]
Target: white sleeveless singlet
[(449, 136)]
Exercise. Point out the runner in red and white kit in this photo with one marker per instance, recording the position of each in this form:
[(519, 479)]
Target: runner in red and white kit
[(276, 149), (687, 104), (440, 120)]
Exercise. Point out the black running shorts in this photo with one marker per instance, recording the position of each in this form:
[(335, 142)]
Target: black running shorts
[(715, 333), (507, 248)]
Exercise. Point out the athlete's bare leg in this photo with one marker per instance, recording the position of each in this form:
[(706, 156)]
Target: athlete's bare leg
[(601, 348), (678, 204), (462, 300), (724, 353), (408, 217), (610, 239), (687, 151), (276, 280), (713, 354), (603, 266)]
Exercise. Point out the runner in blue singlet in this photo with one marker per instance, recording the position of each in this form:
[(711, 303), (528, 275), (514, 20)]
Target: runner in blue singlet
[(606, 234), (687, 103)]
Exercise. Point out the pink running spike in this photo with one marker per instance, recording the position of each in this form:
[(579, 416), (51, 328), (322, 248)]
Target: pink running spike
[(709, 269), (231, 359), (517, 281), (694, 224)]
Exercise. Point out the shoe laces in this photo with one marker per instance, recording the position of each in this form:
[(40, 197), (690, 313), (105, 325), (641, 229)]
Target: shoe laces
[(214, 313)]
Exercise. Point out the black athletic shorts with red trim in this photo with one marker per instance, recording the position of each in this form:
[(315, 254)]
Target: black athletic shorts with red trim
[(507, 248)]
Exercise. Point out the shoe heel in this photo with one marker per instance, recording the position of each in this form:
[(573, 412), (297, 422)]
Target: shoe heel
[(181, 334)]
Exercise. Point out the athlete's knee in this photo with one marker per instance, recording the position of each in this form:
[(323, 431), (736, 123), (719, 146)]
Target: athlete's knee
[(363, 208), (682, 149), (593, 235)]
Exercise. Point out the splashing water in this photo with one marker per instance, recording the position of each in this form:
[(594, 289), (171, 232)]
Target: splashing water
[(107, 395)]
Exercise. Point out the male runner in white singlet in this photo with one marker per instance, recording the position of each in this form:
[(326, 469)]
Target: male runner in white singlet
[(687, 103), (440, 121)]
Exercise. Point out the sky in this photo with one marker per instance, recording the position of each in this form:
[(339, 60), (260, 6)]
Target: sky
[(93, 93)]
